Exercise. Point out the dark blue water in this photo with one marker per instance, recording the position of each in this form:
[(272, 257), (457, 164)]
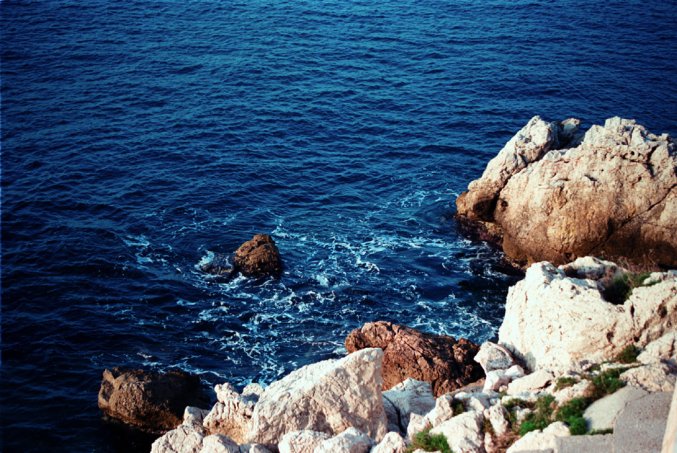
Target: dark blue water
[(139, 137)]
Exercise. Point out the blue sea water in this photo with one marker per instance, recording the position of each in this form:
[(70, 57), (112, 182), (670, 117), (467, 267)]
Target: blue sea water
[(139, 138)]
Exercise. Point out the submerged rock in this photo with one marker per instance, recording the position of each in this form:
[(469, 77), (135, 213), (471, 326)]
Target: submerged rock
[(258, 257), (329, 396), (561, 323), (443, 361), (553, 197), (149, 401)]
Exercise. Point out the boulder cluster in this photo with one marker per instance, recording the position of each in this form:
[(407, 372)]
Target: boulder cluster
[(571, 371), (554, 194)]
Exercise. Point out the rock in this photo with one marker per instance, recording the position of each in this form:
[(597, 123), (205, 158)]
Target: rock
[(253, 391), (474, 401), (184, 439), (562, 323), (225, 392), (231, 417), (417, 423), (391, 443), (217, 443), (328, 396), (349, 441), (613, 194), (537, 380), (579, 390), (540, 440), (495, 380), (410, 396), (152, 402), (527, 146), (584, 444), (301, 441), (652, 378), (194, 416), (442, 411), (514, 372), (663, 350), (602, 414), (641, 425), (258, 257), (670, 438), (216, 264), (498, 417), (253, 448), (393, 417), (463, 432), (439, 359), (493, 357)]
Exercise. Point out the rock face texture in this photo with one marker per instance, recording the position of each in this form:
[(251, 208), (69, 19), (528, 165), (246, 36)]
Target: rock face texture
[(152, 402), (439, 359), (329, 396), (258, 257), (560, 323), (552, 195)]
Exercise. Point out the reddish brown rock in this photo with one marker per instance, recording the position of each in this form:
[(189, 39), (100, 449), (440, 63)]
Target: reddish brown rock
[(151, 402), (439, 359), (258, 257)]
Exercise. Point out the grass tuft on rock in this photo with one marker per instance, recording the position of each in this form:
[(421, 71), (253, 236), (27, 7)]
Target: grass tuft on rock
[(540, 417), (620, 288), (606, 382), (628, 354), (571, 413), (429, 442), (564, 382), (458, 407), (598, 432)]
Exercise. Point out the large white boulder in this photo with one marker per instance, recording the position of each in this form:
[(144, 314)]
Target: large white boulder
[(391, 443), (602, 414), (184, 439), (558, 322), (411, 397), (492, 356), (329, 396), (463, 432)]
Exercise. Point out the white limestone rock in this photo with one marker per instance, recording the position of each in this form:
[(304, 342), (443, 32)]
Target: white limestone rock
[(328, 396), (194, 417), (417, 423), (540, 440), (656, 377), (463, 432), (492, 356), (230, 417), (535, 381), (498, 417), (663, 349), (391, 443), (301, 441), (578, 390), (349, 441), (392, 417), (442, 411), (218, 443), (411, 397), (184, 439), (225, 392), (602, 414), (561, 323), (495, 379)]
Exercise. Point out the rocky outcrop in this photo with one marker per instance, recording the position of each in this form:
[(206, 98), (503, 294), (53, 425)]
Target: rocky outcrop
[(301, 441), (258, 257), (410, 397), (439, 359), (550, 195), (557, 319), (152, 402), (329, 396)]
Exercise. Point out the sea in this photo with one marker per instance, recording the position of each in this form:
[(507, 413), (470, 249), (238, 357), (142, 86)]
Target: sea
[(142, 138)]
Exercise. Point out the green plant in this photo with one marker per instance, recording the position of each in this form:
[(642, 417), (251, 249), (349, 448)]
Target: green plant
[(606, 382), (628, 354), (458, 407), (516, 402), (541, 415), (596, 432), (429, 442), (564, 382), (621, 286), (571, 413)]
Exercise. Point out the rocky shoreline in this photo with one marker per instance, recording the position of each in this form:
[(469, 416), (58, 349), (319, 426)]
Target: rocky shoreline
[(586, 356)]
